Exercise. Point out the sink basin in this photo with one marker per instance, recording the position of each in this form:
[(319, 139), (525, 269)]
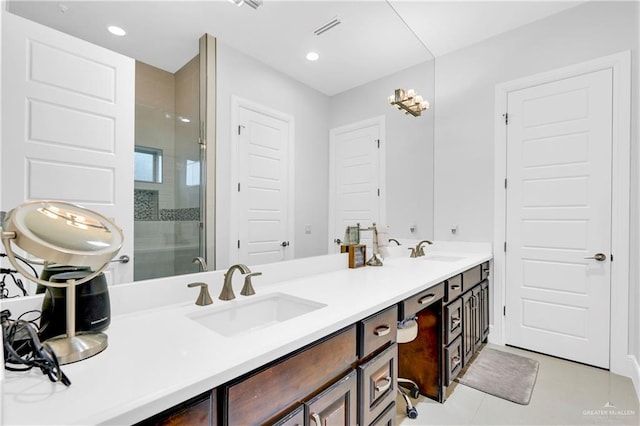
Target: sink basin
[(442, 258), (256, 312)]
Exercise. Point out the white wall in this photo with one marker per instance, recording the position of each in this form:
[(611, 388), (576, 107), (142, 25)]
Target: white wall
[(465, 84), (243, 76), (409, 145)]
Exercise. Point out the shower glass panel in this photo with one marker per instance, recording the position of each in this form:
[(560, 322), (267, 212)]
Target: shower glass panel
[(167, 211)]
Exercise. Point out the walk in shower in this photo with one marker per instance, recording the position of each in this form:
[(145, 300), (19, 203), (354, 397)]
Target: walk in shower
[(167, 190)]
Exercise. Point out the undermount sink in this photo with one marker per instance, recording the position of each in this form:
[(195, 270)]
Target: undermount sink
[(442, 258), (256, 312)]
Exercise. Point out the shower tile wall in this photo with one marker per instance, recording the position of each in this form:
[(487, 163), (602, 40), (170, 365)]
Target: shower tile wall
[(166, 231)]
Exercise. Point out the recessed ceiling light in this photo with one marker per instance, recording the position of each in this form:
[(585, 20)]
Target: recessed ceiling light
[(312, 56), (116, 30)]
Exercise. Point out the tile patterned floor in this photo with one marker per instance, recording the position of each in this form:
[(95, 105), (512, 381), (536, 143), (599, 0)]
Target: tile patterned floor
[(565, 393)]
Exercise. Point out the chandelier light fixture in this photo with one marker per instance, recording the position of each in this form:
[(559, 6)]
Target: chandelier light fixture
[(409, 102)]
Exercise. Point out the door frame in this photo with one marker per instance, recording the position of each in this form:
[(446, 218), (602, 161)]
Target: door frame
[(382, 199), (620, 63), (237, 103)]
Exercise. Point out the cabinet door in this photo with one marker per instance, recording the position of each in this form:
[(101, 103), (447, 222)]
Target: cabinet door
[(484, 309), (468, 326), (477, 320), (337, 405)]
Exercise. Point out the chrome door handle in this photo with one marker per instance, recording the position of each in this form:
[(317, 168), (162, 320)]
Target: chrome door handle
[(284, 243), (383, 384), (337, 241), (122, 259), (383, 330), (600, 257)]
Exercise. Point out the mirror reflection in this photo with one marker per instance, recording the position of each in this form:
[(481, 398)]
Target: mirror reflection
[(301, 148)]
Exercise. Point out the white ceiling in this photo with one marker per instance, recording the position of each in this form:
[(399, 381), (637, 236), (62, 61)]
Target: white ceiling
[(376, 38)]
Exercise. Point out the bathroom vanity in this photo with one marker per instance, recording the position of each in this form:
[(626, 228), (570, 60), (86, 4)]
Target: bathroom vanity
[(339, 358)]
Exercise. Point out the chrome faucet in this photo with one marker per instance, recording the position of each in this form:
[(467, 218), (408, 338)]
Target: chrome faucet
[(202, 262), (227, 288), (419, 251)]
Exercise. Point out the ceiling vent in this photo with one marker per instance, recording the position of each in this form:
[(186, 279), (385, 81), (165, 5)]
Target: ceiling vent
[(253, 3), (326, 27)]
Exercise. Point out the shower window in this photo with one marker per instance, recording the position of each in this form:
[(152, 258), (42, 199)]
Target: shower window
[(193, 173), (148, 164)]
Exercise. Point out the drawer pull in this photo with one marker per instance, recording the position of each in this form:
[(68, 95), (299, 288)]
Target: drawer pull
[(383, 330), (455, 361), (383, 387), (316, 419), (426, 299), (455, 322), (455, 287)]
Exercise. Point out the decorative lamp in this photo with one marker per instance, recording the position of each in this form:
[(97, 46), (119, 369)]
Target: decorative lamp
[(409, 102), (67, 234)]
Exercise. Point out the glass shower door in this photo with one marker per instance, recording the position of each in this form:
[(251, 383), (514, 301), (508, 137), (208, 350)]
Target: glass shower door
[(167, 199)]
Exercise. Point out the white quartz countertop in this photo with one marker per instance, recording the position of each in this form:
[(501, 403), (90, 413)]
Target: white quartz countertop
[(159, 357)]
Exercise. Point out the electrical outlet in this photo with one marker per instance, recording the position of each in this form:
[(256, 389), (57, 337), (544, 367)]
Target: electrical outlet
[(454, 229), (307, 229)]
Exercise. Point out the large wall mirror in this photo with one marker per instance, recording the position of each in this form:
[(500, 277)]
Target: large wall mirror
[(275, 111)]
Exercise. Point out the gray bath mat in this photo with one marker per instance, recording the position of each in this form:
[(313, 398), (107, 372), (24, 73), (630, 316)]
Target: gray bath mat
[(502, 374)]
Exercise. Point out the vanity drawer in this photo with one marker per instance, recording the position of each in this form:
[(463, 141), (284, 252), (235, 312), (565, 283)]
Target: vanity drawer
[(453, 321), (388, 418), (377, 331), (377, 384), (471, 277), (453, 360), (411, 306), (453, 288), (486, 270), (264, 394)]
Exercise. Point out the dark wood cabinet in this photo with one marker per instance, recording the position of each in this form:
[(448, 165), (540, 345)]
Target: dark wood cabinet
[(449, 333), (377, 384), (337, 405), (198, 411), (264, 395)]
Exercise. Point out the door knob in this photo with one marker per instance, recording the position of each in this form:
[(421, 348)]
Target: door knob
[(337, 241), (600, 257), (284, 243)]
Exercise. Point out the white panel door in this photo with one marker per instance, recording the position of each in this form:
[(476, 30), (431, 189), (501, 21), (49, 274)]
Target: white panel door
[(68, 125), (559, 147), (356, 180), (263, 191)]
